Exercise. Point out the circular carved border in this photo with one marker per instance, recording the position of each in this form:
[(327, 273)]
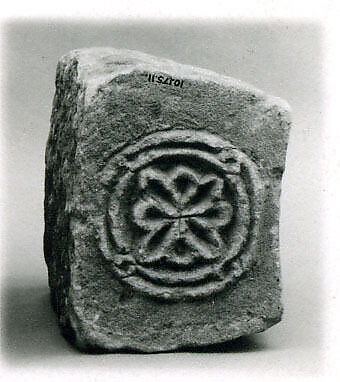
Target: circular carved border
[(182, 212)]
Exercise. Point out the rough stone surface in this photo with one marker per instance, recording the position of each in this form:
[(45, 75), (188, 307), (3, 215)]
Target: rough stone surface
[(161, 204)]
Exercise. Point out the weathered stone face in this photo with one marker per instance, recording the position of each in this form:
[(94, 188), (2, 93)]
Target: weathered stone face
[(162, 203)]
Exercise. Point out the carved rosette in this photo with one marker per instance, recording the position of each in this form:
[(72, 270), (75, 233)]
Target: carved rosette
[(182, 213)]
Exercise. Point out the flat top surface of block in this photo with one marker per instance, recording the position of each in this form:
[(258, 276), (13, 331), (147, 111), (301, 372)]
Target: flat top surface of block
[(102, 64)]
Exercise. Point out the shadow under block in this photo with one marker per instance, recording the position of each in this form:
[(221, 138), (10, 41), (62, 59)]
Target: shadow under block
[(161, 203)]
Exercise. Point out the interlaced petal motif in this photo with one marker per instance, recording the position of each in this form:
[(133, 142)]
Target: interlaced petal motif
[(181, 213)]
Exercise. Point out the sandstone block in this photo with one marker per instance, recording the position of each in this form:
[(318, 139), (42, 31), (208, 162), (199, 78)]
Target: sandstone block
[(162, 199)]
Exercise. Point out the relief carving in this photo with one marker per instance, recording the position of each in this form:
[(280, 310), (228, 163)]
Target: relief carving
[(182, 214)]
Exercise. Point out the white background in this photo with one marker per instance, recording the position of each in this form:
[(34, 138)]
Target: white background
[(284, 48)]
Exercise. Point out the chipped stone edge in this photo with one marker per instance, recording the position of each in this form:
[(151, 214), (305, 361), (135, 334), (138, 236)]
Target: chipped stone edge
[(94, 71), (88, 340)]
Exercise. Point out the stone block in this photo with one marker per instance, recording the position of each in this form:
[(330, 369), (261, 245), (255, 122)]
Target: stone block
[(162, 200)]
